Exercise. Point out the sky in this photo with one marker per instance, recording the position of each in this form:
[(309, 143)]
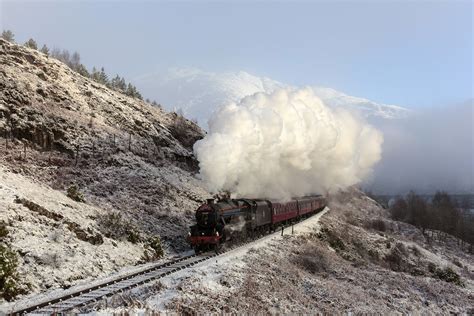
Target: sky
[(415, 54)]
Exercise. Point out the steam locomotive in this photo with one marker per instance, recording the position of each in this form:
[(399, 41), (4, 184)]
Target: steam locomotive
[(238, 219)]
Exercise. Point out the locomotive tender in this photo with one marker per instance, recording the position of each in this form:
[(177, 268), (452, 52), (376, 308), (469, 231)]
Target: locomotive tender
[(237, 219)]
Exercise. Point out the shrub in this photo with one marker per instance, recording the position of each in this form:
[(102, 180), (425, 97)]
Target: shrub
[(9, 279), (113, 225), (377, 224), (447, 274), (155, 244), (51, 259), (133, 236), (374, 254), (416, 251), (153, 249), (397, 257), (3, 229), (314, 260), (74, 194), (331, 237)]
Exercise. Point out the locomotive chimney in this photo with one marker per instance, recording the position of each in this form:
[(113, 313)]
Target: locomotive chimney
[(210, 201)]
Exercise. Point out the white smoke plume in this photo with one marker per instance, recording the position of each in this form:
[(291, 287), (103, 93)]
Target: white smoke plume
[(284, 144)]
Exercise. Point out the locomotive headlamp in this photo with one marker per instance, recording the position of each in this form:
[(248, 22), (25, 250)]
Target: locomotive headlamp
[(217, 234)]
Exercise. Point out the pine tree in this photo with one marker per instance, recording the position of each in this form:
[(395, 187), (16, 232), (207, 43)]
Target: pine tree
[(95, 74), (115, 83), (122, 84), (31, 43), (154, 103), (138, 95), (8, 36), (130, 90), (82, 70), (45, 49), (103, 78)]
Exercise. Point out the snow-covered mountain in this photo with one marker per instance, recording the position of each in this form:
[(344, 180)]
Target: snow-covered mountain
[(368, 108), (198, 93)]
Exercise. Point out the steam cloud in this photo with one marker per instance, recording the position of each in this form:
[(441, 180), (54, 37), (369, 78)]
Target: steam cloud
[(283, 144)]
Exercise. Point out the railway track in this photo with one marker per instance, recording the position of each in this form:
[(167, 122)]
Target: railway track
[(86, 296)]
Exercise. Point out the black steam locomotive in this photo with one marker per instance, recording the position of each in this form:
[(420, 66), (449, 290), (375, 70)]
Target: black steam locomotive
[(239, 219)]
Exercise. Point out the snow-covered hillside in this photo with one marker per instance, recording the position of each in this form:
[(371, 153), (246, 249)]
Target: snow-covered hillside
[(89, 177), (198, 93)]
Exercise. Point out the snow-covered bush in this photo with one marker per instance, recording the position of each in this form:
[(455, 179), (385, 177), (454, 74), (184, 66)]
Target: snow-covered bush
[(51, 259), (398, 257), (332, 238), (114, 225), (74, 194), (3, 229), (154, 249), (9, 278), (377, 224), (313, 259), (447, 274)]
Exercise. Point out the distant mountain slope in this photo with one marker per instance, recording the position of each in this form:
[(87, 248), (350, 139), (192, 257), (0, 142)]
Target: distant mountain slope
[(199, 93), (366, 107), (69, 135)]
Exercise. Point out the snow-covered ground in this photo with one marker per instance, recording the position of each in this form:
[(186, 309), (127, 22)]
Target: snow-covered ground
[(208, 274), (51, 254), (348, 266)]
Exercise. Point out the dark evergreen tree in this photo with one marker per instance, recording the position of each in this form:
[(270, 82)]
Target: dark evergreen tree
[(122, 85), (115, 83), (95, 74), (45, 49), (31, 43), (103, 78), (8, 36), (129, 90), (138, 95), (82, 70)]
